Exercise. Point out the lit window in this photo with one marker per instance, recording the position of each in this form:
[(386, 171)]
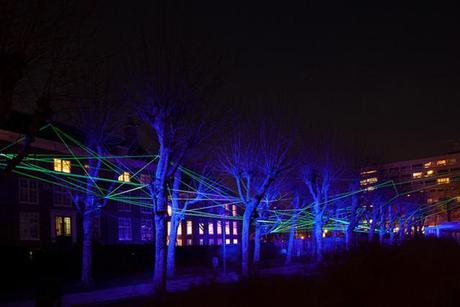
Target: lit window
[(179, 229), (28, 191), (235, 241), (124, 229), (443, 180), (189, 227), (369, 181), (189, 242), (429, 173), (29, 228), (227, 241), (429, 200), (179, 242), (227, 227), (201, 228), (63, 226), (168, 228), (62, 165), (457, 199), (201, 242), (169, 210), (234, 211), (369, 172), (211, 228), (427, 164), (441, 162), (219, 227), (211, 241), (235, 228), (219, 241), (125, 177), (417, 175), (146, 230)]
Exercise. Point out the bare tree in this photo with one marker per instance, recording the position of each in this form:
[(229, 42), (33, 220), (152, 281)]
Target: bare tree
[(254, 163)]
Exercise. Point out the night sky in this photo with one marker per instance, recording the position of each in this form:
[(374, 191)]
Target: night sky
[(385, 74)]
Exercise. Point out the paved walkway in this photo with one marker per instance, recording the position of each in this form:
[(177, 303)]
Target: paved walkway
[(180, 284)]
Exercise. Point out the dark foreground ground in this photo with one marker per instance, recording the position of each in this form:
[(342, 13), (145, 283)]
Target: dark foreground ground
[(419, 273)]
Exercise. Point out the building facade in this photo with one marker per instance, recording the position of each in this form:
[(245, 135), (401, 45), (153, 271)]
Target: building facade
[(433, 180), (37, 213)]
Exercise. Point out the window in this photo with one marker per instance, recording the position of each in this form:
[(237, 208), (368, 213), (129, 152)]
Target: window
[(63, 226), (28, 191), (235, 228), (368, 172), (201, 228), (443, 180), (429, 173), (146, 230), (235, 241), (452, 161), (227, 241), (125, 177), (234, 210), (211, 241), (124, 229), (179, 229), (369, 181), (189, 242), (62, 166), (227, 227), (219, 227), (219, 241), (189, 227), (169, 210), (61, 196), (441, 163), (179, 242), (211, 228), (168, 228), (29, 228), (123, 207), (417, 175), (145, 179), (428, 164), (201, 242)]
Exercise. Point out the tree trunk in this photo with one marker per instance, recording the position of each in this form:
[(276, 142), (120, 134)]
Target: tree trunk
[(159, 276), (257, 237), (87, 254), (382, 225), (318, 237), (245, 241), (291, 239), (171, 261)]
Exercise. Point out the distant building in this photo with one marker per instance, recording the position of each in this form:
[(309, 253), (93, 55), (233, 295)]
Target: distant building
[(434, 180), (36, 213)]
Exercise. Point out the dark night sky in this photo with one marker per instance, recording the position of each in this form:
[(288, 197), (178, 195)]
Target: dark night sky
[(386, 74)]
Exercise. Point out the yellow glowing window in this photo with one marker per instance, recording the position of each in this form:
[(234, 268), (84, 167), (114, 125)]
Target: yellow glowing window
[(189, 227), (124, 177), (427, 164), (417, 175), (441, 162), (369, 172), (219, 227), (211, 228), (169, 227), (179, 242), (179, 229), (369, 181), (63, 226), (443, 180), (169, 210), (429, 173), (62, 165), (234, 212), (235, 228)]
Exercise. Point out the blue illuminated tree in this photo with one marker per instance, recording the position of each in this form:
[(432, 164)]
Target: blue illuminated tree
[(254, 159)]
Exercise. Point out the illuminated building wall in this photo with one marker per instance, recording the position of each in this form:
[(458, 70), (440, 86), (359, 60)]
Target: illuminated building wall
[(434, 179)]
